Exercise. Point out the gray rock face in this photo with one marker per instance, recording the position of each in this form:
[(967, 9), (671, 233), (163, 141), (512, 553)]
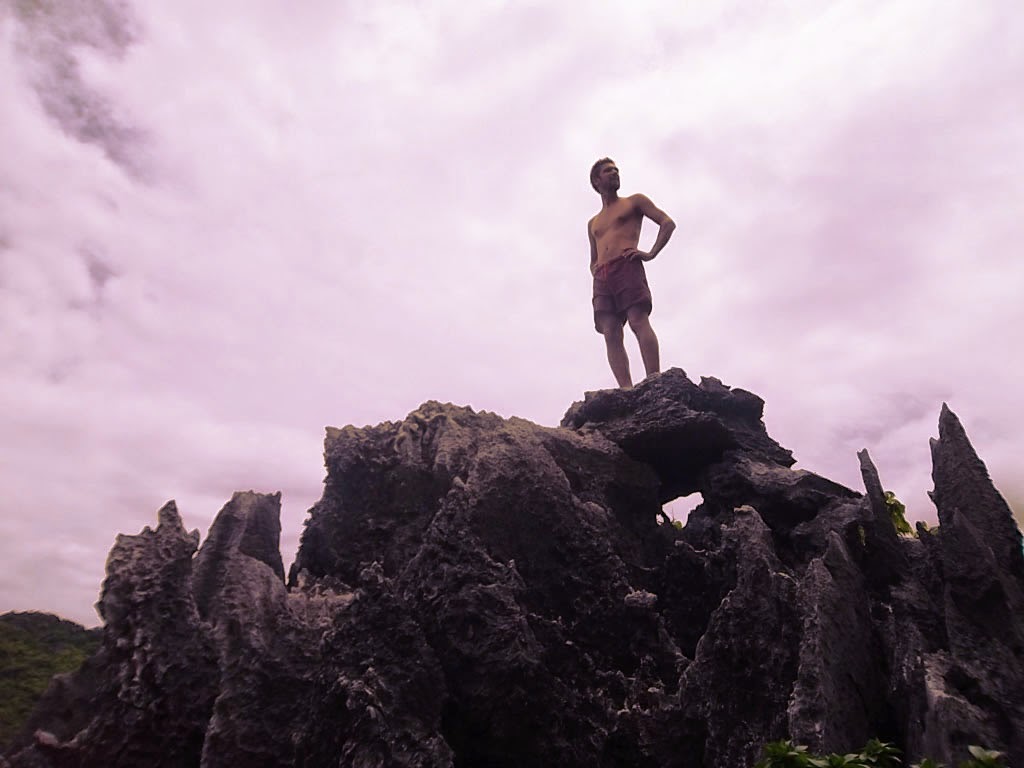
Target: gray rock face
[(152, 685), (475, 591)]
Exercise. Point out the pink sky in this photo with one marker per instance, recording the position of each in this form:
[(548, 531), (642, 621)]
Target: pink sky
[(225, 226)]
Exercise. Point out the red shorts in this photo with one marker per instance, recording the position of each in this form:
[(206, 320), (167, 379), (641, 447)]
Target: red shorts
[(619, 285)]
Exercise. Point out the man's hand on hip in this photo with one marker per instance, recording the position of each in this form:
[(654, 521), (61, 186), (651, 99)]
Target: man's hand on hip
[(635, 254)]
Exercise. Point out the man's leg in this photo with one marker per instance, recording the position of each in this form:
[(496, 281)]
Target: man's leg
[(611, 329), (640, 323)]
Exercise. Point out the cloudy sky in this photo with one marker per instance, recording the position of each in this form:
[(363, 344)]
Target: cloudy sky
[(224, 226)]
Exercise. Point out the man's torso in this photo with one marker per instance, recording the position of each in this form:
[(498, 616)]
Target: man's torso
[(615, 229)]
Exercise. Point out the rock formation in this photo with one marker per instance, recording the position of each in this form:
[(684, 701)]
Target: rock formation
[(476, 591)]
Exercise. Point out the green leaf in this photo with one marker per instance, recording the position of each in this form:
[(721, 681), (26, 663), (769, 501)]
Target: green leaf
[(881, 754), (784, 754), (983, 758), (898, 513)]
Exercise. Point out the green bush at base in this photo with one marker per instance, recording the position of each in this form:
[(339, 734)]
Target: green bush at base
[(33, 648), (875, 754)]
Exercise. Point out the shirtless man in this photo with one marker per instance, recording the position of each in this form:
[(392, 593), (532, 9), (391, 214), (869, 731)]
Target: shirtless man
[(621, 294)]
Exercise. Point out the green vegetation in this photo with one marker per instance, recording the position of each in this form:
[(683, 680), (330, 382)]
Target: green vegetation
[(983, 758), (898, 512), (875, 754), (33, 648)]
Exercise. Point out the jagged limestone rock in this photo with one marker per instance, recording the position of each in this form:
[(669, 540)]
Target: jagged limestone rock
[(153, 682), (477, 591)]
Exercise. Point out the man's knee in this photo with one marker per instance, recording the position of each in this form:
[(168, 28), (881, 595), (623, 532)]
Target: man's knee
[(611, 327), (613, 335), (638, 319)]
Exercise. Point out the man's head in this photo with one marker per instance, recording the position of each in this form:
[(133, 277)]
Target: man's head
[(603, 168)]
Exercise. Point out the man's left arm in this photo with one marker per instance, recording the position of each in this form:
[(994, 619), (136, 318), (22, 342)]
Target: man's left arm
[(665, 226)]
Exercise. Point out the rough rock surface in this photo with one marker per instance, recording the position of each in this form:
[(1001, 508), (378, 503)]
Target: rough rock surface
[(476, 591)]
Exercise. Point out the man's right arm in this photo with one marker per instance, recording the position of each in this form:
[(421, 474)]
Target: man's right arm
[(593, 247)]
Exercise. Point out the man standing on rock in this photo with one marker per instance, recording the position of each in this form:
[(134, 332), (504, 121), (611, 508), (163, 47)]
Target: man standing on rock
[(621, 294)]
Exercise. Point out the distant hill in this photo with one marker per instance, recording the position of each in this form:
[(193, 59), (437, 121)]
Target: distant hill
[(33, 648)]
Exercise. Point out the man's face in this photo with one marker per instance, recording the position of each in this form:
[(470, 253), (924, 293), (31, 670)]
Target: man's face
[(608, 177)]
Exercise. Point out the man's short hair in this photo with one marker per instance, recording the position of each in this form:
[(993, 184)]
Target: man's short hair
[(596, 168)]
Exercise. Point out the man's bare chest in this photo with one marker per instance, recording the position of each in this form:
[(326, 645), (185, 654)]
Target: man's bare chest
[(618, 218)]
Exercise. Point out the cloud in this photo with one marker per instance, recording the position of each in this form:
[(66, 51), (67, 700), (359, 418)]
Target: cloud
[(53, 42), (259, 221)]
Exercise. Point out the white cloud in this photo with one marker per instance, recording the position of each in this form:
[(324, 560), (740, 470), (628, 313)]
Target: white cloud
[(327, 216)]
